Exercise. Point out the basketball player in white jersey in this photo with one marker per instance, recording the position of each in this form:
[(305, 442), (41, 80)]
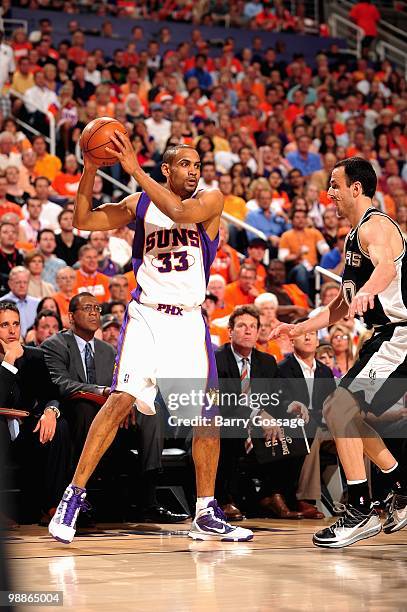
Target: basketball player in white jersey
[(163, 335), (374, 286)]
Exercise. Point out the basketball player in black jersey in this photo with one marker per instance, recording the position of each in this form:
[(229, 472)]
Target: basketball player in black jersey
[(373, 287)]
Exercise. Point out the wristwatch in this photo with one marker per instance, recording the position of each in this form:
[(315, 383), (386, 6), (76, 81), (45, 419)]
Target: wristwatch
[(54, 409)]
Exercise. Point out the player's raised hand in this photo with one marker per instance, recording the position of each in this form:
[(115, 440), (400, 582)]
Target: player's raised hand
[(360, 303), (124, 152), (89, 165), (285, 329)]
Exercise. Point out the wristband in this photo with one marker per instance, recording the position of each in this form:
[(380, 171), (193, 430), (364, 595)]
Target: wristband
[(54, 409)]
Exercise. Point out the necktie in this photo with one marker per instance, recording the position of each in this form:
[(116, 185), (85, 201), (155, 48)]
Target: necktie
[(90, 365), (244, 376)]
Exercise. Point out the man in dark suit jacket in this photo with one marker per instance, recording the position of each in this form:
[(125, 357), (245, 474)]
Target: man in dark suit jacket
[(42, 446), (233, 361), (79, 362), (309, 382)]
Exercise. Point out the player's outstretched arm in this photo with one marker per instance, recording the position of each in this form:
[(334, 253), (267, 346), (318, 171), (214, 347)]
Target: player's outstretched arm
[(105, 217), (330, 314), (381, 240), (199, 209)]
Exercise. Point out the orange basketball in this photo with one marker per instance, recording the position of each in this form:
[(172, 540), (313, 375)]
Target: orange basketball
[(96, 136)]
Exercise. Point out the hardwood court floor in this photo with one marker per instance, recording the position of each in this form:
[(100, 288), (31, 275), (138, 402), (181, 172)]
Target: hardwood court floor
[(153, 568)]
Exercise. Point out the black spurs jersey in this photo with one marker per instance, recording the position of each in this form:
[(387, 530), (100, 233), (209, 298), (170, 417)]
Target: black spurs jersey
[(390, 306)]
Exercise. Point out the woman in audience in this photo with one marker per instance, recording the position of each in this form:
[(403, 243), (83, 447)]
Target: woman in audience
[(34, 261), (341, 341)]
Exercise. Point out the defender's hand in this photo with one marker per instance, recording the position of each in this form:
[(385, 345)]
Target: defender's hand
[(125, 153), (286, 329), (360, 303)]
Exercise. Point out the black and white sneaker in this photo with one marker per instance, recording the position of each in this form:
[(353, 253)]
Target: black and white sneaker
[(396, 517), (351, 527)]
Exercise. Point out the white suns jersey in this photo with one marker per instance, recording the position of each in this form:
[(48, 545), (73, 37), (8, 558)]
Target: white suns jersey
[(171, 262)]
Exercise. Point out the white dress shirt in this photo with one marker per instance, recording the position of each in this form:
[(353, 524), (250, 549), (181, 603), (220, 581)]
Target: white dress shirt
[(309, 375)]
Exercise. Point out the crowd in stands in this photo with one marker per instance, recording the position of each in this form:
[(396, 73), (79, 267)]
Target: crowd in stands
[(268, 132)]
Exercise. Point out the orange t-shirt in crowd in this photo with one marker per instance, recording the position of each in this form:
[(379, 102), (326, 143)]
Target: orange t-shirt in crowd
[(63, 303), (271, 348), (66, 184), (77, 55), (233, 205), (295, 240), (48, 166), (10, 207), (366, 16), (97, 284), (222, 262), (296, 295), (219, 335), (132, 283), (219, 312), (260, 274), (235, 296)]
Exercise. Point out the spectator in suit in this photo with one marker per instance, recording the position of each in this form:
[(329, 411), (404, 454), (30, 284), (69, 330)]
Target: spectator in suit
[(242, 369), (309, 382), (79, 362), (27, 305), (41, 445), (46, 324)]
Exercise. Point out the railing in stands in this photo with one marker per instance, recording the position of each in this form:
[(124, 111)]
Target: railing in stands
[(397, 56), (342, 27), (319, 273), (51, 139)]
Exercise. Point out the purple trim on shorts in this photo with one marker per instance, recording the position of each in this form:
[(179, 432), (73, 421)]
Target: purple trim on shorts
[(119, 349), (139, 238), (212, 382), (209, 248)]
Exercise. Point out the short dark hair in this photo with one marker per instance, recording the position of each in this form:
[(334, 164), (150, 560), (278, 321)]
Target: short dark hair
[(171, 153), (41, 178), (74, 302), (9, 306), (47, 313), (44, 231), (359, 169), (63, 212), (239, 311)]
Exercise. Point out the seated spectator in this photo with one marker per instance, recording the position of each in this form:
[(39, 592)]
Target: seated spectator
[(296, 183), (65, 280), (10, 256), (233, 205), (293, 302), (32, 224), (217, 287), (208, 178), (49, 210), (330, 228), (302, 159), (46, 165), (320, 178), (38, 288), (334, 260), (46, 324), (66, 183), (301, 246), (264, 344), (110, 327), (67, 243), (23, 78), (47, 245), (87, 277), (226, 262), (42, 446), (341, 341), (267, 305), (271, 224), (98, 197), (27, 171), (18, 294), (309, 382), (15, 193), (38, 100), (100, 241), (7, 156), (119, 288), (256, 251), (117, 309), (243, 290), (315, 207)]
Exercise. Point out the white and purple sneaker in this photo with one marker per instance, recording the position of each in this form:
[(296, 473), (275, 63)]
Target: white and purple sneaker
[(210, 524), (62, 526)]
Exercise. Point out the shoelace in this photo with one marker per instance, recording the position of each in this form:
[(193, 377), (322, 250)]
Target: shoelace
[(72, 505), (350, 518)]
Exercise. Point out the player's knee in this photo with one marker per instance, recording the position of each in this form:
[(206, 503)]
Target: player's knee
[(118, 407), (337, 404)]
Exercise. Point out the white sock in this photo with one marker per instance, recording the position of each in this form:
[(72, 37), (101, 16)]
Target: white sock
[(395, 466), (202, 502), (351, 482)]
